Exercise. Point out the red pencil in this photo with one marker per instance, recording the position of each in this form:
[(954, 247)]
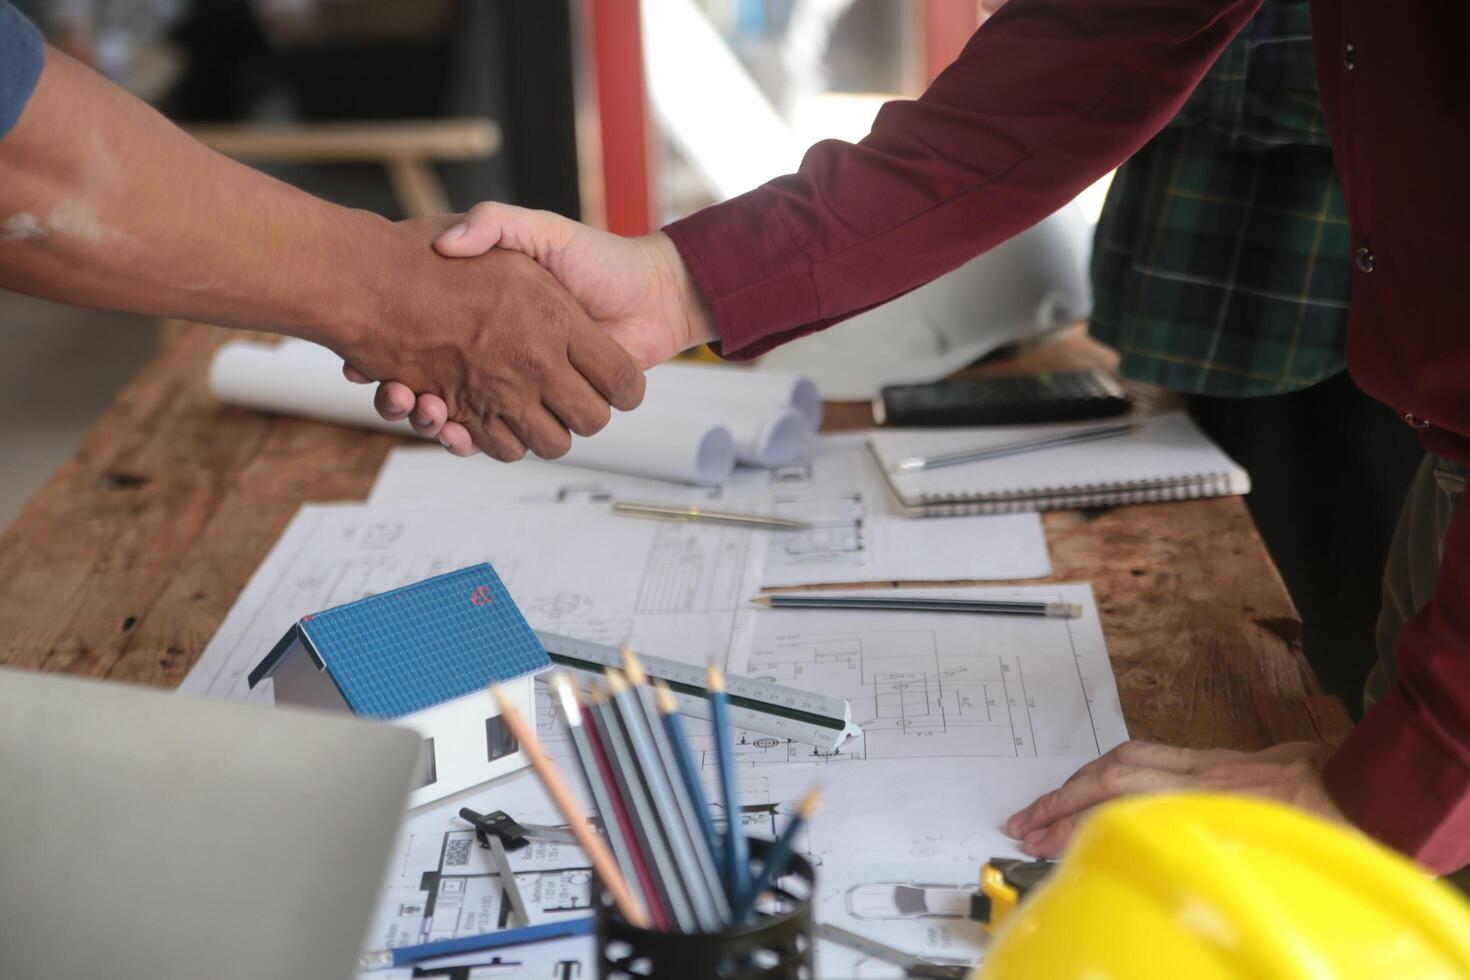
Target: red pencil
[(656, 909)]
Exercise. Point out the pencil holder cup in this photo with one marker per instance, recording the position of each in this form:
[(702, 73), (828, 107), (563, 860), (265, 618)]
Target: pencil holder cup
[(776, 946)]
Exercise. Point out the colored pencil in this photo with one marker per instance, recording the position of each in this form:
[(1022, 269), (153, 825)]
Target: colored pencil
[(409, 955), (641, 809), (705, 871), (994, 607), (668, 707), (736, 852), (567, 695), (778, 857), (566, 804), (597, 734), (655, 781)]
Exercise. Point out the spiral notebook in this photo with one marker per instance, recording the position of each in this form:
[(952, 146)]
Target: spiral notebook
[(1167, 458)]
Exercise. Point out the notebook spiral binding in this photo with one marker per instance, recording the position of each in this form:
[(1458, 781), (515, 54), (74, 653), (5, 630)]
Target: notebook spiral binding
[(1087, 495)]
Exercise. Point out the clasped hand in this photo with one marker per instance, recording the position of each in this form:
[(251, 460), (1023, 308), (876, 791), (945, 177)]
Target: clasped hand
[(638, 292), (507, 359), (634, 293)]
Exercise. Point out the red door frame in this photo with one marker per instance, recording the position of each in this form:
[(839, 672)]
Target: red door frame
[(948, 24), (622, 105)]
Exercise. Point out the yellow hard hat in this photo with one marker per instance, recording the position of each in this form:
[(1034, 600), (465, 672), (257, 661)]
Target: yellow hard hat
[(1213, 887)]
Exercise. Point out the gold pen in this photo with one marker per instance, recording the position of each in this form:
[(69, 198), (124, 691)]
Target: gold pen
[(674, 512)]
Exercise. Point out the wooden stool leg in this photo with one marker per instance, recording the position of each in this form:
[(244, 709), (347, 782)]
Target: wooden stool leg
[(417, 187)]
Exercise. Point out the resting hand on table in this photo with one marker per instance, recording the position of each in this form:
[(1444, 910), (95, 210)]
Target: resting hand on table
[(1290, 773), (637, 290)]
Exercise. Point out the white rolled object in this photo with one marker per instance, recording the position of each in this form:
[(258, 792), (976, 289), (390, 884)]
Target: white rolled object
[(777, 440), (295, 378), (734, 394), (660, 444), (758, 391), (663, 440)]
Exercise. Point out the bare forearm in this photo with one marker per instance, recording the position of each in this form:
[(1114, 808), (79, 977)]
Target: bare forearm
[(103, 202)]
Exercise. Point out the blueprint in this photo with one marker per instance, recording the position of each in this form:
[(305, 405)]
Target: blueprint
[(941, 685), (966, 717), (857, 534), (671, 590), (894, 866)]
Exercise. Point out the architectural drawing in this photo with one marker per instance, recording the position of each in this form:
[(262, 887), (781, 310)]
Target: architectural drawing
[(670, 589), (442, 885), (940, 685), (1013, 704), (559, 606), (858, 535)]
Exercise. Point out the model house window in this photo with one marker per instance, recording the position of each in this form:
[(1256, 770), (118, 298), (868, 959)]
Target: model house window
[(499, 742), (429, 769)]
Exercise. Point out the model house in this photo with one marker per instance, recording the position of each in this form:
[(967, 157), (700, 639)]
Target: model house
[(422, 656)]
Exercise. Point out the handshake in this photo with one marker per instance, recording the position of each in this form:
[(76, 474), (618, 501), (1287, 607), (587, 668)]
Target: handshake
[(545, 332)]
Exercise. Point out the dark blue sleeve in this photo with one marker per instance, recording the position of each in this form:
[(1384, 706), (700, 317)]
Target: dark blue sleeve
[(21, 57)]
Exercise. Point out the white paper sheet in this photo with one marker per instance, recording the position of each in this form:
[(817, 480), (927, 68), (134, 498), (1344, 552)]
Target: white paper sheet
[(670, 589), (693, 425), (954, 747), (967, 717), (926, 685), (859, 535), (931, 828)]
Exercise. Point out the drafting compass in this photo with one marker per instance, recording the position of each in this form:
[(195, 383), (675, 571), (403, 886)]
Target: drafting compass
[(499, 834)]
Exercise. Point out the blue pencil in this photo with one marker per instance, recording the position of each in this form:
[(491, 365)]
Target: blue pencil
[(736, 852), (778, 857), (409, 955), (669, 709)]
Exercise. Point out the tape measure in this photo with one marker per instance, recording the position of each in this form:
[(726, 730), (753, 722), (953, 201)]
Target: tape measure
[(761, 706), (1003, 883)]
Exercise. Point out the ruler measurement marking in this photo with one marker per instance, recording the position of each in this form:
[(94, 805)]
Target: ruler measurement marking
[(786, 712), (695, 690)]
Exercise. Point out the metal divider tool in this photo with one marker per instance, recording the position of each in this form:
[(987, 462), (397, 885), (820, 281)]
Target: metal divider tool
[(761, 706), (498, 834), (508, 883)]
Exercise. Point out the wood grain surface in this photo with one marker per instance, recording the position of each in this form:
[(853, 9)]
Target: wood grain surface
[(127, 562)]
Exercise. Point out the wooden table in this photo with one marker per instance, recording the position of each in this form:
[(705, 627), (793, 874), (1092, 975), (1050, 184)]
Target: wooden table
[(128, 560)]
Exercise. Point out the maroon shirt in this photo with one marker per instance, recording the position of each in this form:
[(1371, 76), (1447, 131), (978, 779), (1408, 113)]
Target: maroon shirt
[(1051, 94)]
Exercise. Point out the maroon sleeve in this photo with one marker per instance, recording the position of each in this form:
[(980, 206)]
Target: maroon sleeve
[(1403, 775), (1047, 97)]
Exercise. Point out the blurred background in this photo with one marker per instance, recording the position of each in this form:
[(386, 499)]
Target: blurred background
[(616, 112)]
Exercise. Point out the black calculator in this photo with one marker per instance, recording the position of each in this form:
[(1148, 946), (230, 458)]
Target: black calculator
[(1062, 396)]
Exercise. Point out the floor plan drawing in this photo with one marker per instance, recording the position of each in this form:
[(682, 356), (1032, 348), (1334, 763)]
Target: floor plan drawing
[(965, 718), (857, 533), (441, 884), (670, 589), (696, 572), (908, 697), (935, 685)]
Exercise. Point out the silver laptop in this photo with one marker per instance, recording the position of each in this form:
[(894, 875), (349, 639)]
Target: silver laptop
[(145, 834)]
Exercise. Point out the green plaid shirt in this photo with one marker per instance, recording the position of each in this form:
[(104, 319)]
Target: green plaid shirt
[(1221, 264)]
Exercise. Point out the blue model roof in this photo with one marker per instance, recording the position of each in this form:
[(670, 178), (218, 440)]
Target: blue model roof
[(409, 649)]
